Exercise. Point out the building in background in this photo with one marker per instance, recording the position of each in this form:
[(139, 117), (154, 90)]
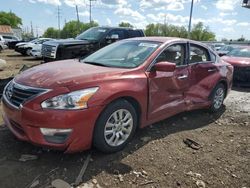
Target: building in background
[(6, 30)]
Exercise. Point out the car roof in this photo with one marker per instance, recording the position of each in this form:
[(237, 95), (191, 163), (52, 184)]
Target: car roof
[(124, 28), (165, 39)]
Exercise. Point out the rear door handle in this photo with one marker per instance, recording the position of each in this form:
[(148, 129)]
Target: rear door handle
[(211, 70), (182, 77)]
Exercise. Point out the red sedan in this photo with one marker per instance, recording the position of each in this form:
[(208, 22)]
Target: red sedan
[(240, 59), (102, 99)]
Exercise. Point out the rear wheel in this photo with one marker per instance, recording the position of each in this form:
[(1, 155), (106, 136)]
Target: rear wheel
[(115, 127), (218, 97)]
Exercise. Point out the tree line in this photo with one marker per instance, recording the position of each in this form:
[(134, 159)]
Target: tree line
[(71, 29), (199, 32)]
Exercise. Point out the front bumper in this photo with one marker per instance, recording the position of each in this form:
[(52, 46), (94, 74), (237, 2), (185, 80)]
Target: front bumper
[(241, 76), (20, 50), (25, 124), (36, 54)]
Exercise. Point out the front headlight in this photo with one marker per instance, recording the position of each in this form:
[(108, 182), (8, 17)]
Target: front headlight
[(71, 101)]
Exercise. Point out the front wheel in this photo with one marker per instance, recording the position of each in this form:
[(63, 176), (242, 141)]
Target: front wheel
[(115, 127), (218, 97)]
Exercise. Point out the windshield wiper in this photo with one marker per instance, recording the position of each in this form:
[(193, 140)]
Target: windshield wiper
[(95, 63)]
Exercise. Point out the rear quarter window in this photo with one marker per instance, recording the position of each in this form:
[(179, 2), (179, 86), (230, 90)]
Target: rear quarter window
[(135, 33)]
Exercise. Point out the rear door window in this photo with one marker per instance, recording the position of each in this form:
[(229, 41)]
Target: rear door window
[(120, 33), (198, 54), (134, 33)]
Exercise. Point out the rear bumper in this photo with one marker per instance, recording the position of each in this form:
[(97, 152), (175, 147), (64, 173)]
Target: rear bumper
[(25, 124)]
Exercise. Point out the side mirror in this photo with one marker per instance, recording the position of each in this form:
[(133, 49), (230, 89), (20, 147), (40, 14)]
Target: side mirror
[(165, 66)]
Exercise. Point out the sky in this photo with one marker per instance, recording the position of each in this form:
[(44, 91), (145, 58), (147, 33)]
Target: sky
[(226, 18)]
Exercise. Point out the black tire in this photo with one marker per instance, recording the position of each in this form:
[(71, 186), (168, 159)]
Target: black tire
[(99, 140), (217, 106), (1, 48)]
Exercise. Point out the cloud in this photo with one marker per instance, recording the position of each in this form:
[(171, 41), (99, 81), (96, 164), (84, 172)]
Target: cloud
[(226, 5), (172, 5), (175, 6), (170, 18), (109, 22), (222, 14), (48, 11), (204, 7), (73, 3), (84, 13), (244, 24), (127, 12), (228, 30), (51, 2)]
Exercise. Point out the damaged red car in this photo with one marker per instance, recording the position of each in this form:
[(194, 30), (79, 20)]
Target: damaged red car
[(240, 59), (103, 99)]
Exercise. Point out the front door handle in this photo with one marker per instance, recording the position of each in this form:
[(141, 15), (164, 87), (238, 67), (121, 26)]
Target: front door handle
[(182, 77), (211, 70)]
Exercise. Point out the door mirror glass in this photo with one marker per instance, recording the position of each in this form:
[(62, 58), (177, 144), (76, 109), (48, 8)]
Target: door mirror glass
[(165, 66)]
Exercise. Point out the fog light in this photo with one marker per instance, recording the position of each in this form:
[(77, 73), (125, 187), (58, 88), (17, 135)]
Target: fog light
[(56, 136)]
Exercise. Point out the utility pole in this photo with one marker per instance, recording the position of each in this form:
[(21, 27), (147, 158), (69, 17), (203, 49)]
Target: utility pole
[(78, 21), (58, 19), (77, 14), (31, 29), (165, 25), (90, 10), (36, 32), (190, 19)]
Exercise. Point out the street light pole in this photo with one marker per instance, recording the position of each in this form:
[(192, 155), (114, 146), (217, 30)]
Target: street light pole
[(190, 19)]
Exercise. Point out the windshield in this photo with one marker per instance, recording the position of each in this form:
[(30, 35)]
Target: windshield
[(33, 41), (226, 48), (124, 54), (92, 34), (240, 52)]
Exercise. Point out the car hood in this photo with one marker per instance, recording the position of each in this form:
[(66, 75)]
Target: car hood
[(237, 61), (66, 42), (222, 51), (67, 73), (21, 43)]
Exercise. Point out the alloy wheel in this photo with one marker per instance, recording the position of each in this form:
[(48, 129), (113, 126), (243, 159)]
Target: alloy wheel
[(218, 98), (118, 127)]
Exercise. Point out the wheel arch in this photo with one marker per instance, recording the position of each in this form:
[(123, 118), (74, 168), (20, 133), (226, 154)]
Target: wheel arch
[(132, 100), (224, 82)]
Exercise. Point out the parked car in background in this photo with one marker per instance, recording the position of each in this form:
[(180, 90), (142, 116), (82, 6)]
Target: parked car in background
[(226, 49), (240, 59), (25, 47), (8, 38), (36, 51), (2, 46), (86, 43), (217, 46), (104, 98)]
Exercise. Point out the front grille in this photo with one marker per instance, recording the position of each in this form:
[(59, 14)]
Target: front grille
[(16, 94), (48, 51), (242, 74)]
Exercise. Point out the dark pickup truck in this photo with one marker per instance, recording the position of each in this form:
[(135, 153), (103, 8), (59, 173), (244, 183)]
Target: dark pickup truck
[(86, 43)]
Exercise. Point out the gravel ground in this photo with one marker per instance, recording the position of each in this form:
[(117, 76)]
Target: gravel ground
[(156, 157)]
